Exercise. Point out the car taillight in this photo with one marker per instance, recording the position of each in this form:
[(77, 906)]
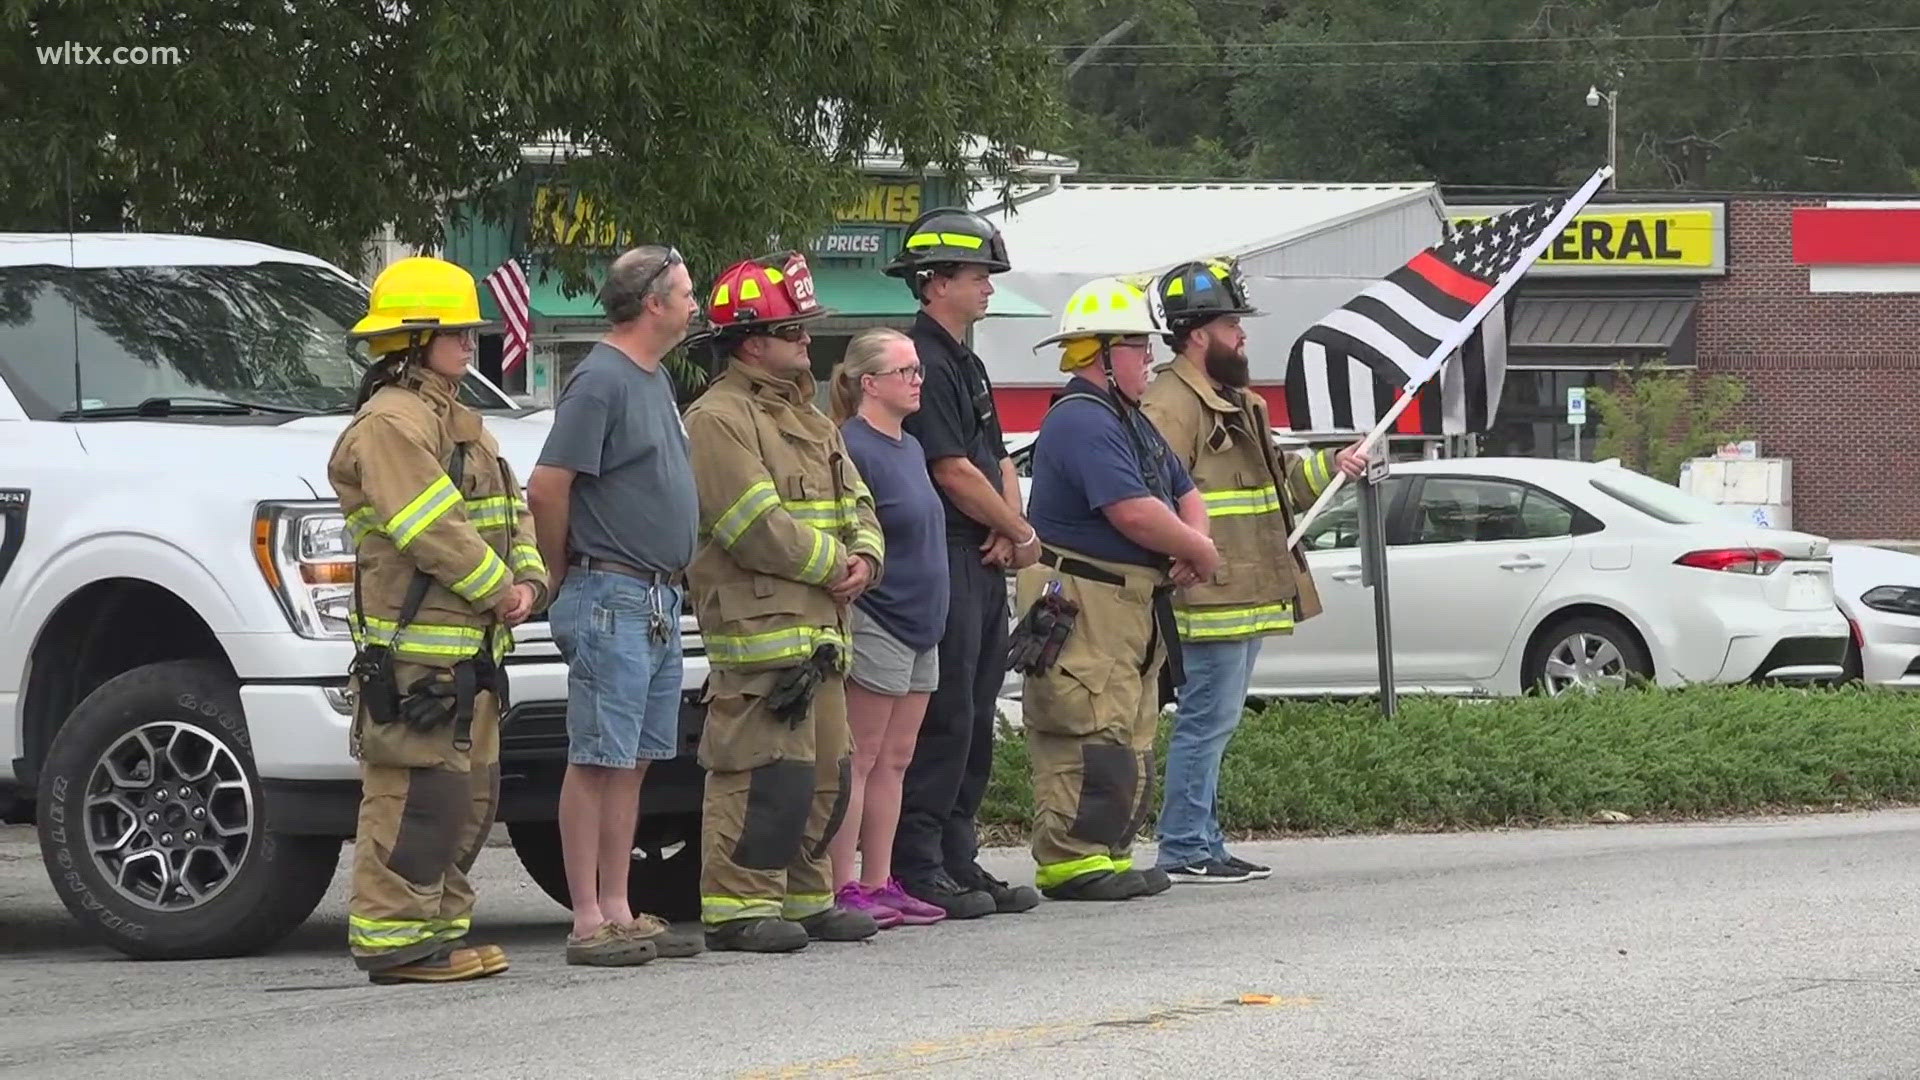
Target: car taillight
[(1734, 560)]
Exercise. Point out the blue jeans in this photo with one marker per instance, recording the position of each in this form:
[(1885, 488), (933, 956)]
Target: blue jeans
[(623, 685), (1210, 703)]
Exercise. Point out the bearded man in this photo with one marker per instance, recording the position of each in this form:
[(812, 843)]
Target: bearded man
[(1219, 430)]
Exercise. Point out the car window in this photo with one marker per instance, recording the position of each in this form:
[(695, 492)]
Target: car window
[(273, 333), (1542, 515), (1338, 526), (1456, 510)]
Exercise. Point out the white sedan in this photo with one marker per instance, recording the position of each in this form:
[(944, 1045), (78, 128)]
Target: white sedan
[(1513, 573), (1879, 590)]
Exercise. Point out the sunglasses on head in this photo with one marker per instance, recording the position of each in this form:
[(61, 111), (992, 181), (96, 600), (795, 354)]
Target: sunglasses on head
[(673, 259)]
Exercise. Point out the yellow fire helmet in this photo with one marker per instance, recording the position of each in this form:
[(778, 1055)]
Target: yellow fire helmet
[(414, 295), (1102, 308)]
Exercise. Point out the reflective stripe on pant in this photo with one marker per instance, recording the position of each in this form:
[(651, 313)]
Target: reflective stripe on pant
[(420, 830), (775, 794), (1090, 723)]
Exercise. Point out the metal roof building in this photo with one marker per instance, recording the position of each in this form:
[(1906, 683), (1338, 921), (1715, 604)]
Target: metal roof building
[(1305, 249)]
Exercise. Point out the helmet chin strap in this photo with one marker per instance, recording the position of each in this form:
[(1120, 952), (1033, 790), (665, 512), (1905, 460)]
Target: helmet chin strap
[(1106, 364)]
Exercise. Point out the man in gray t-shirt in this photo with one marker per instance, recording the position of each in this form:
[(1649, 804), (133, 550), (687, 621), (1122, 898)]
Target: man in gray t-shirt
[(615, 509), (617, 428)]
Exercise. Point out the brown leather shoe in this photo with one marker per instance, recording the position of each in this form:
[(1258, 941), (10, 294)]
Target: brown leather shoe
[(493, 957), (456, 965)]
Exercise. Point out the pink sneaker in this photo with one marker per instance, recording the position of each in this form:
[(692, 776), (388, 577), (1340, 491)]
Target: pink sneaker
[(913, 912), (851, 895)]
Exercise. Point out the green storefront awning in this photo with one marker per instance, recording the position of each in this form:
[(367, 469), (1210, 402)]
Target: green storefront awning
[(860, 293)]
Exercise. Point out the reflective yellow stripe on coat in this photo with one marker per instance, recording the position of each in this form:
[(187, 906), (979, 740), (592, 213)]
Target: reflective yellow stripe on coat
[(793, 643), (1227, 623)]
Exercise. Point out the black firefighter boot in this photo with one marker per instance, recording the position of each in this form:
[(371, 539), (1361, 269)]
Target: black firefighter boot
[(839, 924), (1099, 885), (768, 934)]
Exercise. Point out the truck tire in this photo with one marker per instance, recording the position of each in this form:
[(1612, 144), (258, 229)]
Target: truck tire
[(152, 821), (662, 881)]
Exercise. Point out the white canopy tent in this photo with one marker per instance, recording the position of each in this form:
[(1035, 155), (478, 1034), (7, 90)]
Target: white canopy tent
[(1304, 250)]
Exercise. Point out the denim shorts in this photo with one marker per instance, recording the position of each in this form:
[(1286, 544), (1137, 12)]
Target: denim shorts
[(623, 687)]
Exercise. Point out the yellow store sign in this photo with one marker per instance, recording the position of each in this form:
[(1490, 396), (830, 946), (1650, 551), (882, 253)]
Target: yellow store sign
[(562, 218), (1620, 238), (886, 203)]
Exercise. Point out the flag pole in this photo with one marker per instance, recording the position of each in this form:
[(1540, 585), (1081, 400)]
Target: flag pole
[(1458, 337)]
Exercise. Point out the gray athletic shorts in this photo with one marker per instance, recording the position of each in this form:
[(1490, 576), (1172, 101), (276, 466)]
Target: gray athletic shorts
[(886, 665)]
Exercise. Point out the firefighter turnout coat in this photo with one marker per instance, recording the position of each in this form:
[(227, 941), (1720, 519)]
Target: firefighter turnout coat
[(390, 470), (781, 509), (1252, 493), (428, 796)]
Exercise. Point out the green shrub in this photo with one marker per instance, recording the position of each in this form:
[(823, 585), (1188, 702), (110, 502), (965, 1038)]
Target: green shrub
[(1444, 763)]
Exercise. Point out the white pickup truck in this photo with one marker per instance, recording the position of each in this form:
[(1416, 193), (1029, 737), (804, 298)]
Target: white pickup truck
[(174, 581)]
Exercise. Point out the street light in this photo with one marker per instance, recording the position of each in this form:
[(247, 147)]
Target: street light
[(1612, 98)]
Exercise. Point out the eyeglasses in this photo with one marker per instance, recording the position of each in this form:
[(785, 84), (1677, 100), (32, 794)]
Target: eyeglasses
[(793, 331), (673, 259), (913, 372)]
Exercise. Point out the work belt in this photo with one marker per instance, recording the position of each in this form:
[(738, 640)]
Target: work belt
[(651, 577), (1164, 627)]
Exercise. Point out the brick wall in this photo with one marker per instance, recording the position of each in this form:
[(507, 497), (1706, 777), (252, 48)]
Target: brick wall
[(1833, 380)]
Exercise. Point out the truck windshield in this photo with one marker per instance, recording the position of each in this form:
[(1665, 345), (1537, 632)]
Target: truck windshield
[(271, 333)]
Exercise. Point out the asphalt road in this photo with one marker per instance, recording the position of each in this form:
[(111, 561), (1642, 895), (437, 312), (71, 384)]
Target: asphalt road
[(1750, 949)]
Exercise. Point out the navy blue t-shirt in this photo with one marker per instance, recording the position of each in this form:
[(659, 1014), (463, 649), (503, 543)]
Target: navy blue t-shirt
[(1084, 461), (911, 600)]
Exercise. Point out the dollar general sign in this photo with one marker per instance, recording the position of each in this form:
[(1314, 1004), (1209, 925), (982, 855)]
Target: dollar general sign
[(1679, 238)]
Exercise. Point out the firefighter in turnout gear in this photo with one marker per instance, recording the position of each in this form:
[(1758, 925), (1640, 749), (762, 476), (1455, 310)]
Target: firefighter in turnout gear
[(1121, 523), (1219, 431), (445, 564), (788, 539)]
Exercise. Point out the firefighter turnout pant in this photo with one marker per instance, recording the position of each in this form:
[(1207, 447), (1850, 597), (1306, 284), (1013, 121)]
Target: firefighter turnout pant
[(1091, 719), (776, 792), (425, 810)]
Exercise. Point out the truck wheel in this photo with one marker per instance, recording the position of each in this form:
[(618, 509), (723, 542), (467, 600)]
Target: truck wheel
[(664, 879), (152, 822)]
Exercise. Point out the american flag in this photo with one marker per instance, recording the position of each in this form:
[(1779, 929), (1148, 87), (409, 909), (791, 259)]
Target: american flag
[(1350, 368), (1328, 390), (508, 283)]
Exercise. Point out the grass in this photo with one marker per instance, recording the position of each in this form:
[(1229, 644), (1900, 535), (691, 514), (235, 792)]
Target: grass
[(1330, 768)]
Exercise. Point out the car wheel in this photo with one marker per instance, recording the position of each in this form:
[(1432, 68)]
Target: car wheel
[(153, 826), (1587, 653), (664, 879)]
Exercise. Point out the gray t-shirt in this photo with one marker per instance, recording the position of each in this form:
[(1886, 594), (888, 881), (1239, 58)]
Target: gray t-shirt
[(617, 426)]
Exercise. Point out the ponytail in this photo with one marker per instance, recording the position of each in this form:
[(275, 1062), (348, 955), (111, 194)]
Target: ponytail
[(386, 371), (866, 355)]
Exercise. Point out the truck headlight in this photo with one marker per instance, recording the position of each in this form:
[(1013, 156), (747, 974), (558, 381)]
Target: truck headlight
[(306, 555), (1893, 599)]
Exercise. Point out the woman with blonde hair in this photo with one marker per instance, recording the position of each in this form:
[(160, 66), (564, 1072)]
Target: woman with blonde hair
[(896, 625)]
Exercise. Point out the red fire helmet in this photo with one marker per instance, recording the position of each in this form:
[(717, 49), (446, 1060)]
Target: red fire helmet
[(767, 291)]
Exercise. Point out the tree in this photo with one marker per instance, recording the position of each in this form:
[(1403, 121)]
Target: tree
[(727, 130), (1653, 419), (1713, 94)]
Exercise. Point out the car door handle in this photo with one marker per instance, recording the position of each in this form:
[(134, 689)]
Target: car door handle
[(1351, 573), (1522, 563)]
